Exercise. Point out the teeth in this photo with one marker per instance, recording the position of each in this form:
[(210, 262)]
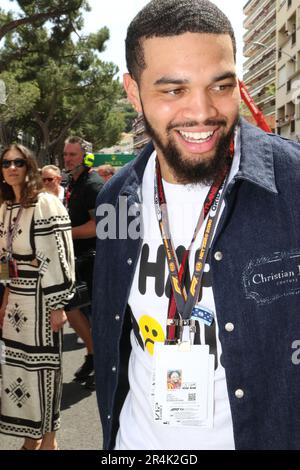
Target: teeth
[(196, 136)]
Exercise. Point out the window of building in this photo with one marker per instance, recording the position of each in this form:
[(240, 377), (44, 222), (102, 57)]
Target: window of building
[(281, 76)]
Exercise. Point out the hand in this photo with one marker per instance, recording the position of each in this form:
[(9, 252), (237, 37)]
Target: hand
[(57, 319), (2, 314)]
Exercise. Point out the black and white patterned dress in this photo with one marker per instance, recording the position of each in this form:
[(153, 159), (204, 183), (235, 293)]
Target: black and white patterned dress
[(31, 369)]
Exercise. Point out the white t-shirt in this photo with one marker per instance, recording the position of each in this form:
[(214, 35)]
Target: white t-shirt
[(149, 305)]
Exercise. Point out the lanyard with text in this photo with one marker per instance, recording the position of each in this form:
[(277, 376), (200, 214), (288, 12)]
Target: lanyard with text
[(13, 270), (185, 302)]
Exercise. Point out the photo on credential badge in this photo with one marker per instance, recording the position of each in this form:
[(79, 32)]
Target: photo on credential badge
[(174, 379)]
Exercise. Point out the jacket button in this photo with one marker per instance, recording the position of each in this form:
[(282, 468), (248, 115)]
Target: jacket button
[(229, 327), (108, 416), (218, 256), (239, 393), (117, 317), (129, 261), (114, 368)]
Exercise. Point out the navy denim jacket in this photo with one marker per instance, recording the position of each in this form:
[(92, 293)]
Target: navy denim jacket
[(255, 263)]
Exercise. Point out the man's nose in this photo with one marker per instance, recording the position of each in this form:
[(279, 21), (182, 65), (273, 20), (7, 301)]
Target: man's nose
[(199, 107)]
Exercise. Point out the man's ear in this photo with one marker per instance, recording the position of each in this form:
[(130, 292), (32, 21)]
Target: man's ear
[(132, 90)]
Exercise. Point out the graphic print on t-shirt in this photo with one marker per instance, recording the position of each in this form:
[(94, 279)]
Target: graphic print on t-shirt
[(151, 332), (148, 329)]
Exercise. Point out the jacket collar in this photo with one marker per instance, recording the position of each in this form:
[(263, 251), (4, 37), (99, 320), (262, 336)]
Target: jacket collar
[(257, 161), (136, 171), (256, 164)]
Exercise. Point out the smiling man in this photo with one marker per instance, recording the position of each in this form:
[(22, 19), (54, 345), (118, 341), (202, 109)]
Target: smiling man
[(210, 198), (194, 86)]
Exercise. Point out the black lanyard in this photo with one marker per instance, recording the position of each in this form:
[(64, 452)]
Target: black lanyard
[(211, 208)]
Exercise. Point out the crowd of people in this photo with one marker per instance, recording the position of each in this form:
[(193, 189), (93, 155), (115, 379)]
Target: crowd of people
[(47, 249), (193, 275)]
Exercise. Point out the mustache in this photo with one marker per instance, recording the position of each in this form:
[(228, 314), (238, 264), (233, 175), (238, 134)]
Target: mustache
[(208, 122)]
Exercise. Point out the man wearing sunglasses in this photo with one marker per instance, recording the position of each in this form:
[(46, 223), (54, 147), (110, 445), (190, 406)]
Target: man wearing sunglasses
[(51, 177)]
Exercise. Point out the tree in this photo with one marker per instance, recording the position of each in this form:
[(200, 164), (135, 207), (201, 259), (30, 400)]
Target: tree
[(38, 12), (71, 89), (125, 108), (16, 106)]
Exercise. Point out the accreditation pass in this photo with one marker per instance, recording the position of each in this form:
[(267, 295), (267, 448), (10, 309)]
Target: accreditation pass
[(183, 385)]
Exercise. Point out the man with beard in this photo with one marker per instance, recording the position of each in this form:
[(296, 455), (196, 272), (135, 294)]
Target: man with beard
[(197, 260)]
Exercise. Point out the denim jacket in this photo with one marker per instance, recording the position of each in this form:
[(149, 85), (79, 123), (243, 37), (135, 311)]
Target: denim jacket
[(255, 264)]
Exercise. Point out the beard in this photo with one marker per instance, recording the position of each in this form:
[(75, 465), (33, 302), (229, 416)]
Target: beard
[(194, 172)]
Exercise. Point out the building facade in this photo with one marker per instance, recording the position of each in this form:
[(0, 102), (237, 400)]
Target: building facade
[(260, 49), (140, 137), (288, 69)]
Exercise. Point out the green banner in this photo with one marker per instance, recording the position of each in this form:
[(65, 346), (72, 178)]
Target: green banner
[(113, 159)]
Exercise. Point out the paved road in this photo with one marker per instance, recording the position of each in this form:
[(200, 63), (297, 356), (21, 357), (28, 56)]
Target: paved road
[(80, 425)]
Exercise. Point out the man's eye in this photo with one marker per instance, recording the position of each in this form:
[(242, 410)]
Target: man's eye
[(175, 92), (225, 87)]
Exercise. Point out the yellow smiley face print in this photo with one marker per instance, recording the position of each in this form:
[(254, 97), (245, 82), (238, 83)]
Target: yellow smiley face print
[(151, 332)]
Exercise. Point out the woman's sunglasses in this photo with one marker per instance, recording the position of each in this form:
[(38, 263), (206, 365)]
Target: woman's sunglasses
[(18, 163), (47, 179)]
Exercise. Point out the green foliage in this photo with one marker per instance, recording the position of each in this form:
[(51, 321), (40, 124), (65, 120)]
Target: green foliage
[(129, 114), (244, 110), (62, 15), (56, 81), (271, 89), (21, 98)]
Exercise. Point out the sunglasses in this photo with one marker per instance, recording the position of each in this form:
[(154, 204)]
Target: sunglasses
[(47, 179), (18, 163)]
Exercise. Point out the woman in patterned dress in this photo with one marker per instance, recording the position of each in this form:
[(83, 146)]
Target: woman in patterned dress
[(36, 246)]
